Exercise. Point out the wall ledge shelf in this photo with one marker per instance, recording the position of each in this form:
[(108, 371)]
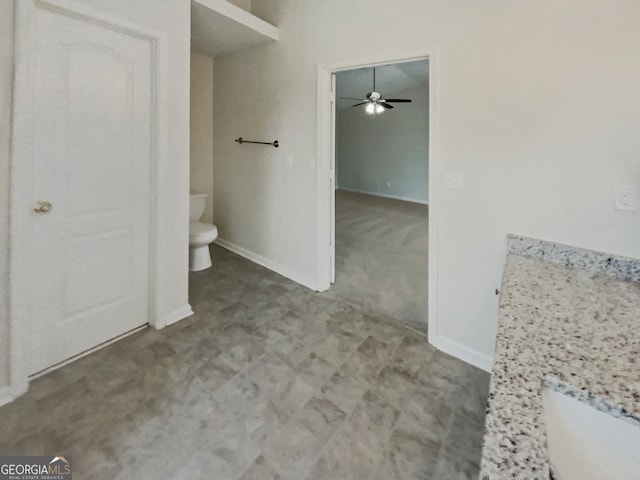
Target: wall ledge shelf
[(219, 27)]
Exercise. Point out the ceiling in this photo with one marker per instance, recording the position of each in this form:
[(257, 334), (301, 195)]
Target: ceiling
[(390, 79)]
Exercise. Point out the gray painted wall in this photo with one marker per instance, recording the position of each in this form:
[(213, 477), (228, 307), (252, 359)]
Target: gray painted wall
[(387, 154)]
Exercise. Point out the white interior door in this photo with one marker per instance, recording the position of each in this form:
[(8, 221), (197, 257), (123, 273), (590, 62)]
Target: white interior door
[(90, 154)]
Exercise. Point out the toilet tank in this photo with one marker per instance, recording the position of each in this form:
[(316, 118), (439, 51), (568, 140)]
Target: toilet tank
[(197, 204)]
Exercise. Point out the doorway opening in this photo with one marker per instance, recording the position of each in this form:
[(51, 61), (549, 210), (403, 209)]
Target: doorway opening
[(378, 205)]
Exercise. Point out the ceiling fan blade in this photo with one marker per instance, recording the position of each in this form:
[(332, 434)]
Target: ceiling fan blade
[(385, 105), (358, 104), (398, 100)]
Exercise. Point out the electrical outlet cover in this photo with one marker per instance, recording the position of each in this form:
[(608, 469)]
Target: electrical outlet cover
[(453, 180), (626, 197)]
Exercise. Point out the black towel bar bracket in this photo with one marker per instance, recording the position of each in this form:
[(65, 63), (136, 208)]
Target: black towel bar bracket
[(275, 143)]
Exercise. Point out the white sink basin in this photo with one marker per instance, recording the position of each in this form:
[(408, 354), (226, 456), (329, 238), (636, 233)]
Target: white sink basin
[(587, 444)]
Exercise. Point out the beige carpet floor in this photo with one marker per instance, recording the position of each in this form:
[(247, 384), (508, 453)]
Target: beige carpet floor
[(381, 255)]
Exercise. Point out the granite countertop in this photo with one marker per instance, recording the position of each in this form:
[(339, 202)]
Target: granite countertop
[(569, 319)]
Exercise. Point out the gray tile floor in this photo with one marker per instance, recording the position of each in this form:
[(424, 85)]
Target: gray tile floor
[(268, 380)]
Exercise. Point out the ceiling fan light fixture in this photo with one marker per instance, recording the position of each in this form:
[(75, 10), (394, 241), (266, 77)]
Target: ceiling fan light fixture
[(373, 102)]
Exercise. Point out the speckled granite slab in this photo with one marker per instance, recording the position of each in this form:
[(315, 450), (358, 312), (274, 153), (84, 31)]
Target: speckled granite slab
[(597, 262), (570, 319)]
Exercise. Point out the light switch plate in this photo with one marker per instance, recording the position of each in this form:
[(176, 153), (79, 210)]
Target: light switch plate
[(453, 180)]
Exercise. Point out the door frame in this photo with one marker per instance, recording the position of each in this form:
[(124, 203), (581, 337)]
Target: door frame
[(326, 170), (21, 197)]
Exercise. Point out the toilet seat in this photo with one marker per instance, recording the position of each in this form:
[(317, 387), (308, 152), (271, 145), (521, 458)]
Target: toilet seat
[(200, 233)]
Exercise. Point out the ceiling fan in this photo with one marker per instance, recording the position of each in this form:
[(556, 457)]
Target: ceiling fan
[(374, 101)]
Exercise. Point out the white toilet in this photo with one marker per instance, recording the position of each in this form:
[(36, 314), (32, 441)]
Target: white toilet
[(200, 234)]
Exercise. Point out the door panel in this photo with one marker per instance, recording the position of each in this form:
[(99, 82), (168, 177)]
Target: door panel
[(96, 269), (91, 159), (94, 186)]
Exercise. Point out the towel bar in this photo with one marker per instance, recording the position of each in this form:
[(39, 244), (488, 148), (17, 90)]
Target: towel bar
[(242, 140)]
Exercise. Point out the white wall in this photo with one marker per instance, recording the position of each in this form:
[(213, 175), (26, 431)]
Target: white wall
[(538, 104), (202, 129), (386, 154), (6, 83), (244, 4), (170, 17)]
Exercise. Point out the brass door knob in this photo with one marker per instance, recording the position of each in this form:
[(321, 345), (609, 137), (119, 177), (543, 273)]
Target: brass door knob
[(42, 207)]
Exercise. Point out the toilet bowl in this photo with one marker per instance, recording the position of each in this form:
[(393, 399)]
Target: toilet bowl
[(200, 234)]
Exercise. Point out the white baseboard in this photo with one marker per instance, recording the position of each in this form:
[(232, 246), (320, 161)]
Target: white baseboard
[(8, 393), (384, 195), (177, 315), (267, 263), (462, 352)]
